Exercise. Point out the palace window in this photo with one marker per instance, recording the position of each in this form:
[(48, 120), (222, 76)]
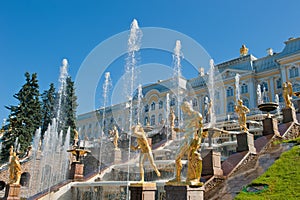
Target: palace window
[(153, 106), (244, 88), (195, 102), (152, 120), (264, 86), (229, 91), (160, 104), (294, 72), (160, 118), (172, 103), (296, 87), (146, 121), (279, 83), (246, 102), (146, 108), (230, 107)]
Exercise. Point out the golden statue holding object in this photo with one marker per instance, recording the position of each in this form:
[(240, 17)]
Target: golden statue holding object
[(143, 145), (190, 145), (14, 169), (287, 94), (242, 111)]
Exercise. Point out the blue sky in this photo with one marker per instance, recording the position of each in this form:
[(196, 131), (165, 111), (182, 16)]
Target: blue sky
[(36, 35)]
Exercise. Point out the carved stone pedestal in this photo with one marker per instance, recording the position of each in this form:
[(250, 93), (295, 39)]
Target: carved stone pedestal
[(270, 127), (289, 115), (76, 172), (184, 192), (142, 191), (117, 156), (245, 142), (212, 164), (12, 192)]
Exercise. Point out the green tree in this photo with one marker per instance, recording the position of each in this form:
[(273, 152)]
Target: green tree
[(24, 118), (48, 107)]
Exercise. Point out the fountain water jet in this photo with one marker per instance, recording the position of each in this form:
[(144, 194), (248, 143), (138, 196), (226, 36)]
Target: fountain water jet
[(176, 77), (211, 90), (106, 87), (258, 93), (237, 87), (134, 43)]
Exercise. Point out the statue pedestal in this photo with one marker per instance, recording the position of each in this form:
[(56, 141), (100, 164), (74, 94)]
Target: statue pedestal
[(212, 164), (289, 115), (184, 192), (76, 172), (270, 127), (245, 142), (12, 192), (142, 191), (117, 156)]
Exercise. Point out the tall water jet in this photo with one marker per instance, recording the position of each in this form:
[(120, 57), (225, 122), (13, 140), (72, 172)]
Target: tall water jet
[(167, 121), (106, 88), (139, 102), (258, 93), (265, 95), (277, 101), (134, 44), (62, 90), (237, 87), (177, 75), (211, 90)]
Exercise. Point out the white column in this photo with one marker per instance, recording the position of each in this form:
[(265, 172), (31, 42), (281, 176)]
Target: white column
[(252, 93)]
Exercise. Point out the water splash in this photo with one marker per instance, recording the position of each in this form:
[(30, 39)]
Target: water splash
[(211, 90), (167, 114), (237, 87), (258, 93)]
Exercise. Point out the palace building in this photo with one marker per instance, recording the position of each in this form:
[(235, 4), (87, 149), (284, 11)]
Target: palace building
[(270, 72)]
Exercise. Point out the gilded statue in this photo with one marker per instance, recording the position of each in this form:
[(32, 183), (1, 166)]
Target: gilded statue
[(115, 133), (287, 94), (143, 146), (242, 111), (76, 137), (243, 50), (14, 170), (190, 145), (172, 118)]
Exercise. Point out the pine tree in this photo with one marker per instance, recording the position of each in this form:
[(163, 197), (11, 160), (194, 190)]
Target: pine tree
[(48, 107), (24, 118)]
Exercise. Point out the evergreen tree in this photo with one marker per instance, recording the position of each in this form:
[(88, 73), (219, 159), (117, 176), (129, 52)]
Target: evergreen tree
[(24, 118), (48, 105)]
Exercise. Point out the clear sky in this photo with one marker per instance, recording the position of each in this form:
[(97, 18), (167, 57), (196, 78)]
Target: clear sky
[(36, 35)]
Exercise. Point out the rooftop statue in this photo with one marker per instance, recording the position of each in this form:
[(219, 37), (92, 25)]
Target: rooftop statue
[(243, 50), (242, 111), (190, 145), (287, 94), (14, 170), (143, 145)]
